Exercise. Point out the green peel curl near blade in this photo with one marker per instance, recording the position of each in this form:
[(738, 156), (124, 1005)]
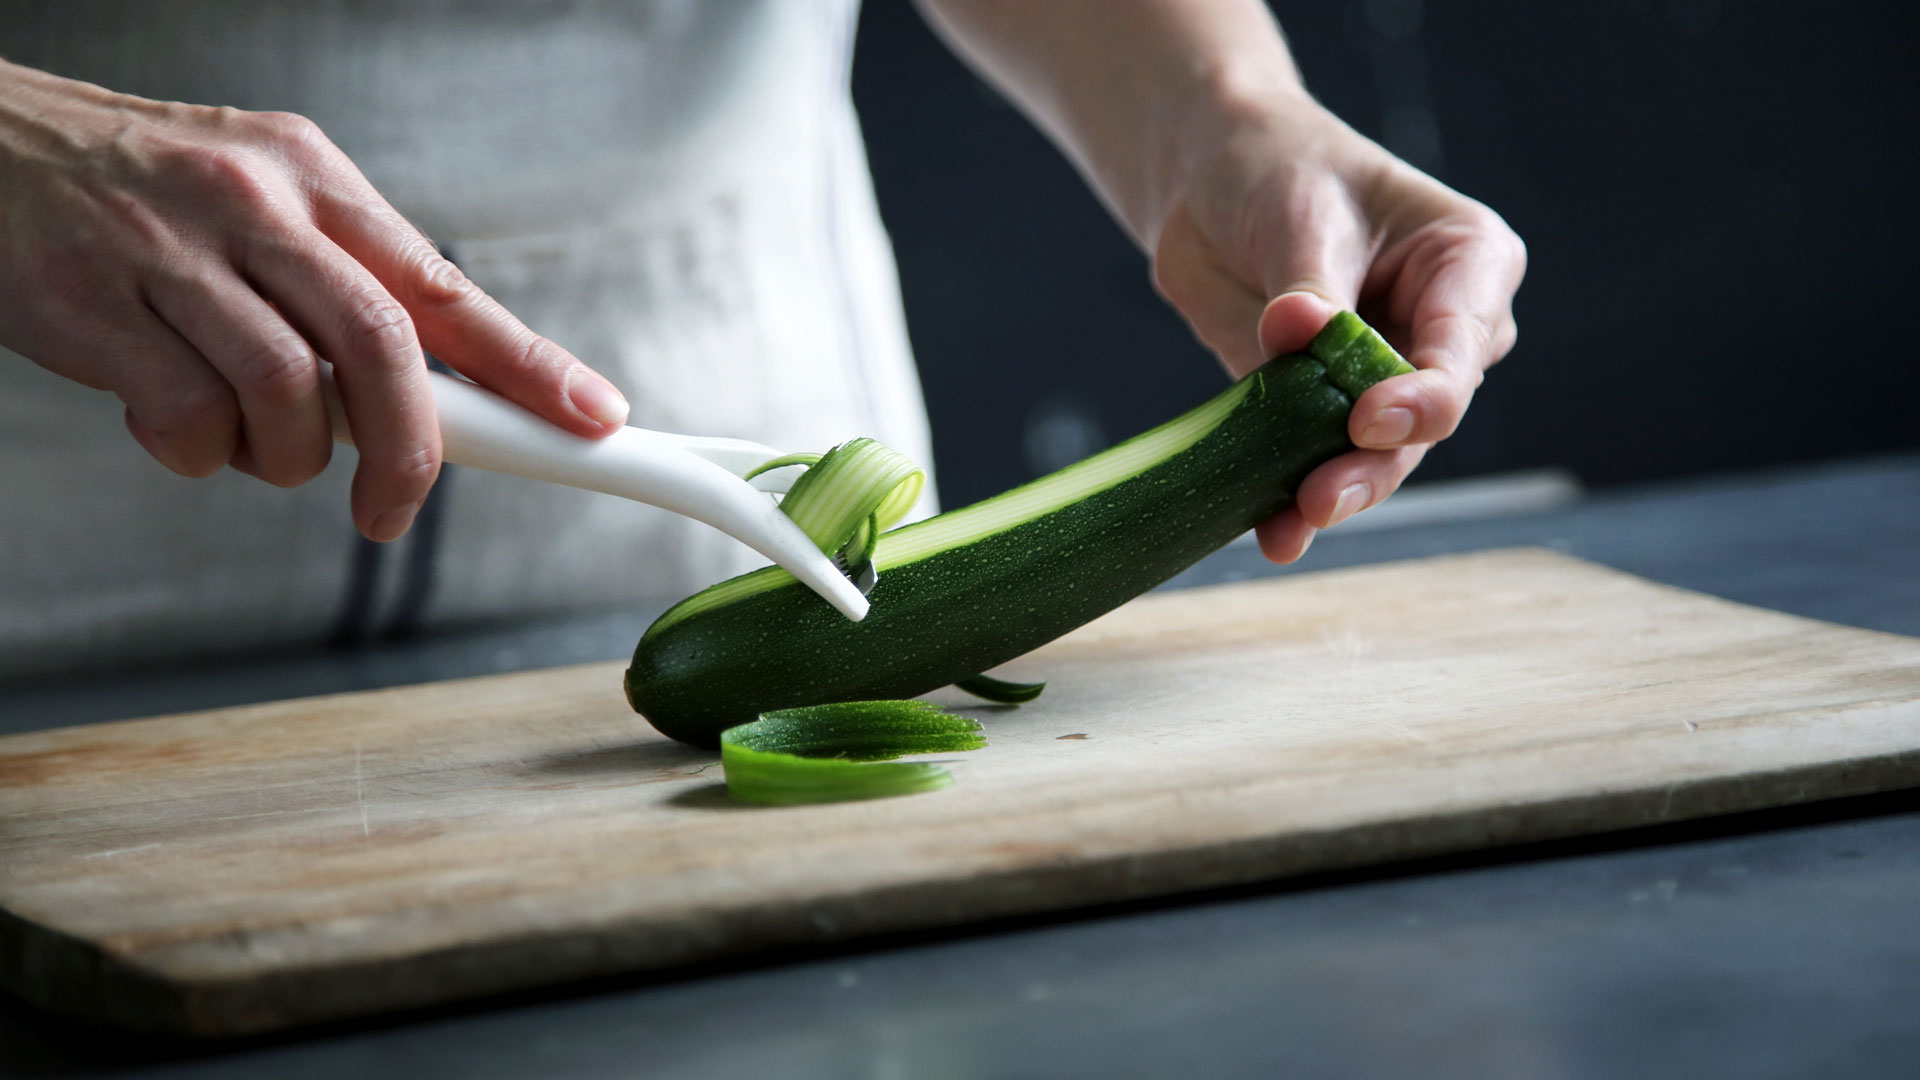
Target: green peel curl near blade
[(850, 495)]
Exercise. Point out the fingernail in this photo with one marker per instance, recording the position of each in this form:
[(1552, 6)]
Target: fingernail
[(1353, 499), (1389, 428), (596, 398), (392, 524)]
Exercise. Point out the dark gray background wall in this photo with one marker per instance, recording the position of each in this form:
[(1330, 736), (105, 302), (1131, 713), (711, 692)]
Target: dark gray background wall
[(1718, 197)]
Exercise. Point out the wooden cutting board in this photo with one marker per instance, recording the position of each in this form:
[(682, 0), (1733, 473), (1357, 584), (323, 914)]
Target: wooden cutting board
[(254, 868)]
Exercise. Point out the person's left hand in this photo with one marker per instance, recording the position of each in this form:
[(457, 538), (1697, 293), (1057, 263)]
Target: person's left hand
[(1292, 217)]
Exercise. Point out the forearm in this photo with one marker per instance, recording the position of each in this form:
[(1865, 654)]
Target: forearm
[(1132, 90), (38, 117)]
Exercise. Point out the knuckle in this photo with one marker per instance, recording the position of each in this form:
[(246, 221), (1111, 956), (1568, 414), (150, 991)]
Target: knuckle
[(1496, 229), (379, 325), (436, 280), (1484, 219), (1516, 249), (1487, 226), (203, 410), (412, 470), (538, 355), (1167, 279), (292, 131), (1506, 339), (279, 371), (1458, 236), (231, 173)]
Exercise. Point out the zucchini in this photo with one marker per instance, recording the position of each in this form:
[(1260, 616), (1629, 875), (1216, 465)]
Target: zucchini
[(975, 587)]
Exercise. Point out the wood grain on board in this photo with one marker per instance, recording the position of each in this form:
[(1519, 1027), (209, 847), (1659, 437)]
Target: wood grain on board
[(254, 868)]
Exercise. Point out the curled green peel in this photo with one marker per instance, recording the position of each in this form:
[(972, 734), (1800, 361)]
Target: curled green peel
[(850, 495), (841, 752)]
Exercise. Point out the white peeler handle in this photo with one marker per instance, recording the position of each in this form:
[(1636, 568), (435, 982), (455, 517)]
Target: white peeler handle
[(486, 431)]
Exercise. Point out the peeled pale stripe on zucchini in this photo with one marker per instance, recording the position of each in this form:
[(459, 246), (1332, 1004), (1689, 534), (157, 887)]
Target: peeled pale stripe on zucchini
[(973, 588)]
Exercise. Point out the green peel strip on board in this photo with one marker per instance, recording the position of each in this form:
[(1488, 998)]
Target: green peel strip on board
[(834, 753)]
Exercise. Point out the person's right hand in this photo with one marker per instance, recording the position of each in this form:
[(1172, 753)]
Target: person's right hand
[(201, 262)]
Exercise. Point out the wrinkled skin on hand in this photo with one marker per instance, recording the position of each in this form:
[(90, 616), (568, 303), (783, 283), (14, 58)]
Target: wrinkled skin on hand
[(201, 263)]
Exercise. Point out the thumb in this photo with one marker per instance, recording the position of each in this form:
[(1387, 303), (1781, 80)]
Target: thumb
[(1292, 319)]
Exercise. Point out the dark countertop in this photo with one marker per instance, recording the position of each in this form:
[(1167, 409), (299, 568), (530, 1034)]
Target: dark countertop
[(1773, 944)]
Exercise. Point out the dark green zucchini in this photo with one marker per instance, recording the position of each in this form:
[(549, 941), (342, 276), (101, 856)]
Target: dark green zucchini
[(975, 587)]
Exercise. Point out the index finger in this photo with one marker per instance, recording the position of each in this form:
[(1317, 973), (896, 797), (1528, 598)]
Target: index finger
[(1454, 292), (463, 326)]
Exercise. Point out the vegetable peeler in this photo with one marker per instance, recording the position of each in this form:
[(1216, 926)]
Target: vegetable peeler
[(691, 475)]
